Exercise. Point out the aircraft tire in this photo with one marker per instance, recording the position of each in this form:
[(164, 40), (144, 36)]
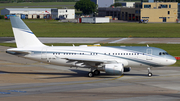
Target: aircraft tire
[(149, 74), (90, 74), (96, 72)]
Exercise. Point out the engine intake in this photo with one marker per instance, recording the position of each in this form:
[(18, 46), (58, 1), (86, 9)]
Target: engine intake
[(127, 69)]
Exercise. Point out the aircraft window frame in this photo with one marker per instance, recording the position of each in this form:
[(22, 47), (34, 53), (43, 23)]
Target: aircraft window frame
[(163, 53)]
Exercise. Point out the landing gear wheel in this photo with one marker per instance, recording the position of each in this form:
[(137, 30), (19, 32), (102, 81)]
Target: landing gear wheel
[(90, 74), (149, 74), (96, 72)]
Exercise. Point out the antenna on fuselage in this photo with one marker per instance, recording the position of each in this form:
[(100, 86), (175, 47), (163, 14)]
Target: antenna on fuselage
[(73, 45), (147, 45)]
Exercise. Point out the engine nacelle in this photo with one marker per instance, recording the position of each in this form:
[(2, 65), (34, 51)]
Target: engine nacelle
[(114, 69), (127, 69)]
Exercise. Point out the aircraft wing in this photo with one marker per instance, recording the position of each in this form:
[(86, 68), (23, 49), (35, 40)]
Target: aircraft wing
[(85, 60)]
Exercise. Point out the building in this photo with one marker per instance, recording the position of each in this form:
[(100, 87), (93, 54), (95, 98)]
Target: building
[(114, 12), (34, 13), (160, 11), (66, 13), (179, 11), (94, 20), (151, 11), (127, 4), (31, 12), (103, 3)]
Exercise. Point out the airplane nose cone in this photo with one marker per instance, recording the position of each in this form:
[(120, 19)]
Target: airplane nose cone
[(171, 60), (174, 61)]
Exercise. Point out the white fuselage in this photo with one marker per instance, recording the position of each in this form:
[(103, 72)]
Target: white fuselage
[(129, 58)]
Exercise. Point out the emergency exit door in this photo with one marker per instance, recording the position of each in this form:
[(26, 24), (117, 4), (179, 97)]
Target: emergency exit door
[(44, 54), (149, 54)]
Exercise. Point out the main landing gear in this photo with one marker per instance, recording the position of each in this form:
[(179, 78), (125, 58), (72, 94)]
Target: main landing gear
[(149, 72), (92, 74)]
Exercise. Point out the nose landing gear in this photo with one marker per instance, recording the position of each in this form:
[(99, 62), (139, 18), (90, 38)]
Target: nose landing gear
[(149, 72)]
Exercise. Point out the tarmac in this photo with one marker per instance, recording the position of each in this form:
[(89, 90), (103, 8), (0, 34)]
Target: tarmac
[(98, 40), (26, 80)]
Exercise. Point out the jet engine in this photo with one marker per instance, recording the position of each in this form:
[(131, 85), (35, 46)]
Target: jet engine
[(127, 69), (114, 69)]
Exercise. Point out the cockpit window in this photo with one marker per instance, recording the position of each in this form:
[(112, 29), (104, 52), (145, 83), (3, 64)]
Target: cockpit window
[(163, 53)]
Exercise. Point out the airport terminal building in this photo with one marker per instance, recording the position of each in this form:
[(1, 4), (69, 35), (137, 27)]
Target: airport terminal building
[(151, 11)]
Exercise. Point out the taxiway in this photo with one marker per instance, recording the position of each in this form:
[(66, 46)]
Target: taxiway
[(26, 80), (99, 40)]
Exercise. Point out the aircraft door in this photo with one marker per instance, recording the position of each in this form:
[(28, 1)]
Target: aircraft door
[(44, 54), (149, 54)]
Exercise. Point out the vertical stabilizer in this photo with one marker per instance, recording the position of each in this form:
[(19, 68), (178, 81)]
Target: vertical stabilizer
[(24, 37)]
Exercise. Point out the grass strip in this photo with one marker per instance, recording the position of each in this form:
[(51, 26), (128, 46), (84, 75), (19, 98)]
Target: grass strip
[(53, 28)]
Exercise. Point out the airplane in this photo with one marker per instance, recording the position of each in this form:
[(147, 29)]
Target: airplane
[(111, 60)]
